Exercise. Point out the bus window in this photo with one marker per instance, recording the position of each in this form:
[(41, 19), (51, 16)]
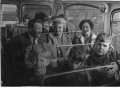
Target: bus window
[(116, 29), (30, 10), (9, 13), (76, 13)]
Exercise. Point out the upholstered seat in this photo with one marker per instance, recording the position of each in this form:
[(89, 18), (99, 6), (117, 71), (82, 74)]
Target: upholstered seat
[(19, 30)]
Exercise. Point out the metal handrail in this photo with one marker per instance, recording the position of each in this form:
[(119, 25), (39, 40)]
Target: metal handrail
[(69, 72), (65, 32), (74, 45), (89, 78)]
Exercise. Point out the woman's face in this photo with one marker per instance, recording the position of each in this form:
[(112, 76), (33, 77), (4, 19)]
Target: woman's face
[(86, 29), (59, 29)]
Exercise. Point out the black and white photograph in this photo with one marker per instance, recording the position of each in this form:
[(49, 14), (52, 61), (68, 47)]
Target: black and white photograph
[(60, 43)]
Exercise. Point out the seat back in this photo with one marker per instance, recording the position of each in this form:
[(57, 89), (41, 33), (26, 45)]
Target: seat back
[(19, 30)]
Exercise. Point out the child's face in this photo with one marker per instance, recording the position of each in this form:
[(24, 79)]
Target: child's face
[(40, 62), (101, 48)]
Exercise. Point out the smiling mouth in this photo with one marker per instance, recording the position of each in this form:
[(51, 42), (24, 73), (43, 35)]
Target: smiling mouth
[(85, 31), (39, 33), (38, 67), (100, 51)]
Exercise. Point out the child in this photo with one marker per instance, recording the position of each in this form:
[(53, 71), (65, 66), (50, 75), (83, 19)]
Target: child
[(75, 62), (103, 54), (40, 60), (77, 57)]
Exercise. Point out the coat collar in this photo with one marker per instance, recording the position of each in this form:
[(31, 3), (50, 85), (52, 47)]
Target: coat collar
[(82, 38)]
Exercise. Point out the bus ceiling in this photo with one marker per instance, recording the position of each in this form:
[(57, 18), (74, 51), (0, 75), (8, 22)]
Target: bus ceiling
[(7, 1)]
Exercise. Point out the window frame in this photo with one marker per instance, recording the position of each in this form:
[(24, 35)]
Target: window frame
[(9, 4), (81, 5), (111, 18), (86, 5), (112, 14), (35, 4)]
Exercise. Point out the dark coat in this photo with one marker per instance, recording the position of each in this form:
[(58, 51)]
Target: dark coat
[(100, 77), (19, 45), (31, 79), (65, 40), (23, 40)]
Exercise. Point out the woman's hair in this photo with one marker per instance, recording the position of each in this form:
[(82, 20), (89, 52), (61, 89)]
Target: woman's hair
[(77, 53), (42, 52), (40, 15), (32, 22), (47, 19), (25, 17), (59, 21), (86, 21)]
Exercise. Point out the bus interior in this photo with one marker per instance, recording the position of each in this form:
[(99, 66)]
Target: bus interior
[(105, 14)]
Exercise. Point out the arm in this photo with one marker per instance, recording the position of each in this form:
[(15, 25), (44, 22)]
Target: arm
[(115, 65)]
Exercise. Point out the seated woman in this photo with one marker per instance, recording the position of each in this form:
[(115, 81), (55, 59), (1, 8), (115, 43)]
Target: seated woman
[(87, 36), (59, 38), (70, 28)]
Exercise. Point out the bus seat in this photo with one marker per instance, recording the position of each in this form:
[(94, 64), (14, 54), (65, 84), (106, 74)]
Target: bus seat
[(19, 30), (8, 30)]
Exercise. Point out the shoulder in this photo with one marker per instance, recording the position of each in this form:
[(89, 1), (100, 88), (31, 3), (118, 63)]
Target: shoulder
[(51, 37), (88, 61), (23, 35), (43, 35), (114, 54), (49, 71), (66, 35), (93, 35), (49, 47)]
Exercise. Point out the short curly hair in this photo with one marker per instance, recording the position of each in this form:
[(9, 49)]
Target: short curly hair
[(40, 15), (59, 21), (104, 37), (86, 21), (77, 53)]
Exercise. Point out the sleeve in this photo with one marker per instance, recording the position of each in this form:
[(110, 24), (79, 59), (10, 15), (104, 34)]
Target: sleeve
[(28, 57), (118, 60), (45, 40), (16, 48), (18, 53), (50, 39), (74, 40), (88, 61), (54, 52)]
